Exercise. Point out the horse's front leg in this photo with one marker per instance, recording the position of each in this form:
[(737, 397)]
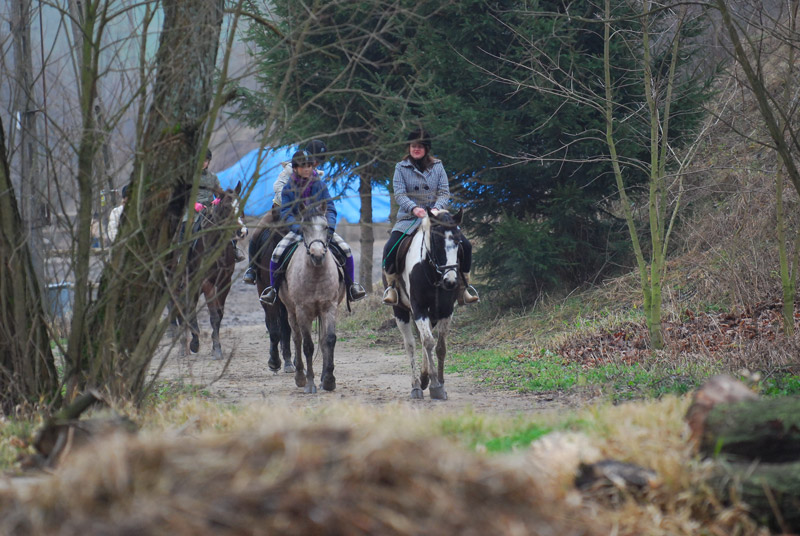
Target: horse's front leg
[(297, 339), (285, 338), (308, 351), (441, 347), (403, 320), (328, 343), (428, 368)]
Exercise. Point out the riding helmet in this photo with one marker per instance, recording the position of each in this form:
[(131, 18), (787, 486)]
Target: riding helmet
[(317, 149), (208, 154), (302, 157), (421, 136)]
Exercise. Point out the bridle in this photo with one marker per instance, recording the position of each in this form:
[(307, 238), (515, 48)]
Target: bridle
[(441, 269), (324, 243)]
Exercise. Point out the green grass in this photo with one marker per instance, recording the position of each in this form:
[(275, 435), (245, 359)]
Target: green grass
[(547, 371), (780, 386), (492, 434), (16, 437)]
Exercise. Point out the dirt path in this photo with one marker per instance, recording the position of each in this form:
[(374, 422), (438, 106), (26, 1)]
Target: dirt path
[(367, 374)]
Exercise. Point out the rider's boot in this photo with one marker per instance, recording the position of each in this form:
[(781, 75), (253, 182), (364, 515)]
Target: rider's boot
[(354, 290), (270, 294), (252, 250), (390, 294), (467, 293)]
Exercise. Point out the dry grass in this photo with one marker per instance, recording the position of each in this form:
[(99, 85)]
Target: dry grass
[(347, 469)]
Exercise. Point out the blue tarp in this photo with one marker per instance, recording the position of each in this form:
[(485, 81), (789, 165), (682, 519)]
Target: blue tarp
[(347, 200)]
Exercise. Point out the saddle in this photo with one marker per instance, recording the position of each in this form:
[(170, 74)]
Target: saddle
[(402, 250)]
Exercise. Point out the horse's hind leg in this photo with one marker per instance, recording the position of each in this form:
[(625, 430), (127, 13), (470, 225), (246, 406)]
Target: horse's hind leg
[(215, 315), (194, 329), (275, 336), (403, 320)]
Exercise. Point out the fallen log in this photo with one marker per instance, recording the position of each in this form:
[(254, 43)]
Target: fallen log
[(756, 443), (767, 430)]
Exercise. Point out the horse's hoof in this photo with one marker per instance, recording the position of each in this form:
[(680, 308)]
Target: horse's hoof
[(275, 365), (194, 346), (416, 394), (424, 380), (329, 383), (300, 378), (310, 389), (438, 393), (288, 368)]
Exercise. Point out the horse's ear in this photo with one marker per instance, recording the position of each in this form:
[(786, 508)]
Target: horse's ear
[(458, 216), (238, 188), (431, 215)]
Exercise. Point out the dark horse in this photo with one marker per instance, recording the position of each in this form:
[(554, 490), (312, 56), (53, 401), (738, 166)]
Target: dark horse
[(275, 316), (212, 234), (427, 292)]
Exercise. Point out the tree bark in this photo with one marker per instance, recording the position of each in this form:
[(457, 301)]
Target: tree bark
[(767, 430), (137, 283), (27, 369), (367, 232)]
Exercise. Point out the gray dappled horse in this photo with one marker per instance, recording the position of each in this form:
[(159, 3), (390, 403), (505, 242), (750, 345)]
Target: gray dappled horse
[(212, 229), (312, 290), (427, 290)]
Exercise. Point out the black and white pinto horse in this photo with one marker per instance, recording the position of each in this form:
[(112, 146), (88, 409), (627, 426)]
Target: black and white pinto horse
[(211, 256), (427, 289)]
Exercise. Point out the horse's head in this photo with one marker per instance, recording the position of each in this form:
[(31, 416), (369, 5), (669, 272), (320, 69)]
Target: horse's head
[(442, 239), (314, 228), (227, 207)]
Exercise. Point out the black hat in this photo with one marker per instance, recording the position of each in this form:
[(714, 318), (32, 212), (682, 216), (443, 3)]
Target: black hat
[(421, 136), (208, 154), (317, 149), (125, 191)]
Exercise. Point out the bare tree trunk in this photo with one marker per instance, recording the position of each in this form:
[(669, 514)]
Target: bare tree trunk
[(367, 232), (27, 369), (33, 206), (127, 327)]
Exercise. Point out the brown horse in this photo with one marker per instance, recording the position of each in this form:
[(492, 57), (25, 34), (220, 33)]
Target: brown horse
[(313, 290), (275, 316), (212, 236)]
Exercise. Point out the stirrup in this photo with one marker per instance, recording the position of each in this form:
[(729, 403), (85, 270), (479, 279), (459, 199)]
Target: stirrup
[(470, 295), (269, 296), (356, 292), (390, 296)]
